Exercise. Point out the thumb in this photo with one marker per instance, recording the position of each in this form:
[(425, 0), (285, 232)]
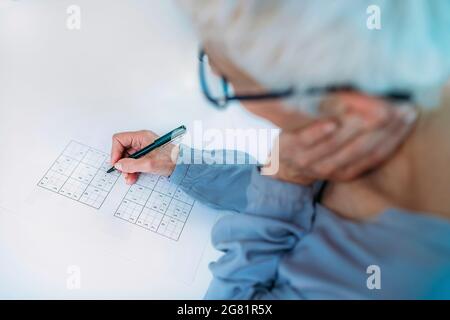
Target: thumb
[(128, 165), (375, 111)]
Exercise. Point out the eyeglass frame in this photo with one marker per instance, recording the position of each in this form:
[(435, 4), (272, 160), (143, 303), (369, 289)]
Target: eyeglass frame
[(224, 101)]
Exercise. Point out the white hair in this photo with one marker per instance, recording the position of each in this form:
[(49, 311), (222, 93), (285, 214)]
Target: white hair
[(313, 43)]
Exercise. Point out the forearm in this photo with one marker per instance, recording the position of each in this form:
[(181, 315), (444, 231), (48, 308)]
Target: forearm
[(273, 216), (253, 247), (236, 186)]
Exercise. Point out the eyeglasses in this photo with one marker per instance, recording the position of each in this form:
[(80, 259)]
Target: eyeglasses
[(218, 91)]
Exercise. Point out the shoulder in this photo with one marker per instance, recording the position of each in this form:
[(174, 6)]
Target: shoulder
[(409, 252)]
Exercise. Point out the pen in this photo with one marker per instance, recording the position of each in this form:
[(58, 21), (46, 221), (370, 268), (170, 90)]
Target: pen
[(168, 137)]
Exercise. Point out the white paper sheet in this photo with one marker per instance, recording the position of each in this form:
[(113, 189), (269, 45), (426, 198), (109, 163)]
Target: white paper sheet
[(38, 257), (151, 222), (58, 85)]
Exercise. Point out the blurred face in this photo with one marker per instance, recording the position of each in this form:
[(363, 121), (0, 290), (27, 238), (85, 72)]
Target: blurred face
[(354, 133), (272, 110)]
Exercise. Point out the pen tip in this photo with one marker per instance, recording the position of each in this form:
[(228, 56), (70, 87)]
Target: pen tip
[(110, 170)]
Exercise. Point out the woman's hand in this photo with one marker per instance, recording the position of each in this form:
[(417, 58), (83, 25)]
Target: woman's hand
[(361, 133), (161, 161)]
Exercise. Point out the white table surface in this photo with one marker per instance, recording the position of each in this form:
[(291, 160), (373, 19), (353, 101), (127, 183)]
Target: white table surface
[(133, 65)]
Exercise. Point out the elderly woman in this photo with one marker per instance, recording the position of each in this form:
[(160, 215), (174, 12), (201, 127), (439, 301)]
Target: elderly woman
[(342, 94)]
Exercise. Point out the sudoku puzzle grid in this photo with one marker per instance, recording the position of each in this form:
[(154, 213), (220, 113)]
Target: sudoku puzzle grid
[(79, 173), (156, 204)]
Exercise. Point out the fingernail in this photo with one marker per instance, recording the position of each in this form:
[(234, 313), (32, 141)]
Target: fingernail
[(409, 113), (329, 127), (411, 117), (118, 166)]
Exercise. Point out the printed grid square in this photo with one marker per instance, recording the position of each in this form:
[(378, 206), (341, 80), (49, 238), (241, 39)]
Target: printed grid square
[(158, 202), (84, 182), (104, 181), (95, 158), (147, 180), (138, 194), (64, 165), (170, 228), (165, 211), (73, 189), (76, 150), (105, 167), (150, 219), (182, 196), (84, 173), (94, 197), (53, 181), (129, 211), (179, 210), (164, 186)]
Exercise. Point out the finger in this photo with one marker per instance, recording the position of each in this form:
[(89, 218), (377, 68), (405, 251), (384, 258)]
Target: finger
[(292, 175), (129, 165), (351, 129), (295, 143), (131, 142), (313, 134), (360, 148), (377, 156), (375, 111), (354, 170), (132, 178), (387, 143), (355, 150), (129, 152), (125, 177), (120, 143), (303, 140)]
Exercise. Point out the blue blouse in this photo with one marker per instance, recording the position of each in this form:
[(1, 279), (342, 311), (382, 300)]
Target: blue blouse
[(283, 245)]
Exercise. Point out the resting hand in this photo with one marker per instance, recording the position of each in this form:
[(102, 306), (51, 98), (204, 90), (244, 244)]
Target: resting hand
[(361, 133), (161, 161)]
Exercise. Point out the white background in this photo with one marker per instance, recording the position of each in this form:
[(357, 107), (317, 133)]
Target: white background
[(133, 65)]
